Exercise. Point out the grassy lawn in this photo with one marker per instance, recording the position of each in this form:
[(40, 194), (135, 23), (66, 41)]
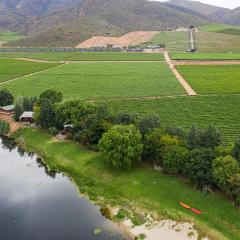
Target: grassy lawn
[(212, 79), (117, 56), (102, 80), (10, 36), (223, 111), (10, 68), (205, 56), (142, 188), (51, 56)]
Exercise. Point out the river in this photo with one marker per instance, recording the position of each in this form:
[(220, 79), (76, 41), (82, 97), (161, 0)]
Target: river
[(39, 205)]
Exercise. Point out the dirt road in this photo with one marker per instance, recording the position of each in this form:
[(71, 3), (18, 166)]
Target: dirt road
[(206, 62), (179, 77)]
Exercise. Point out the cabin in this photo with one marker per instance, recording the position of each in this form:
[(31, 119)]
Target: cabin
[(8, 110), (27, 117)]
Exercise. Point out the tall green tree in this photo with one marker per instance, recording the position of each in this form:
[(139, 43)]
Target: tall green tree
[(6, 98), (236, 150), (199, 166), (148, 123), (4, 128), (52, 95), (122, 146)]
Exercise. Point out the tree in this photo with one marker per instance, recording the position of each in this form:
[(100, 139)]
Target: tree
[(148, 123), (236, 150), (152, 146), (199, 166), (46, 118), (225, 171), (211, 137), (18, 110), (6, 98), (175, 131), (51, 95), (208, 138), (28, 103), (194, 138), (122, 146), (124, 118), (175, 159), (4, 128)]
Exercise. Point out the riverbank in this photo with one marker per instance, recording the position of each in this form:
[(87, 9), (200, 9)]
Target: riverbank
[(142, 188)]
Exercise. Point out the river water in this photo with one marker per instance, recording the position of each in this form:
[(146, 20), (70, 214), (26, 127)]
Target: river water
[(38, 205)]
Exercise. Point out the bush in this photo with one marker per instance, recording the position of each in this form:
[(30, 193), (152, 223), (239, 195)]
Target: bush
[(122, 146), (175, 159), (53, 131), (175, 131), (226, 174), (4, 128), (6, 98)]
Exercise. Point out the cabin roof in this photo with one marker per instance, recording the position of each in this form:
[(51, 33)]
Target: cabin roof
[(8, 108), (27, 115)]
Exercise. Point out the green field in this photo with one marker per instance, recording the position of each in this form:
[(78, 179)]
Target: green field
[(142, 188), (221, 28), (210, 79), (86, 56), (10, 36), (205, 56), (10, 68), (206, 41), (223, 111), (51, 56), (102, 80)]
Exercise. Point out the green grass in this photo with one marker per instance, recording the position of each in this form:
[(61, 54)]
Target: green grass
[(221, 28), (142, 188), (223, 111), (206, 41), (10, 36), (102, 80), (205, 56), (212, 79), (10, 68), (117, 56), (51, 56), (216, 27)]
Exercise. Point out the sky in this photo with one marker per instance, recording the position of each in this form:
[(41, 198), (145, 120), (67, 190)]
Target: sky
[(222, 3)]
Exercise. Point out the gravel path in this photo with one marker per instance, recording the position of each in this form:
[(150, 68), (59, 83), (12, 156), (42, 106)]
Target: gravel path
[(179, 77)]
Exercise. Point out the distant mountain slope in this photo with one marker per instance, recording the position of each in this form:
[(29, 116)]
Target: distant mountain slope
[(100, 17), (205, 10), (233, 17)]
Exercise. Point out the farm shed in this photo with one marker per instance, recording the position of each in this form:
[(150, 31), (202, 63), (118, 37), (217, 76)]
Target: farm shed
[(27, 117), (7, 109)]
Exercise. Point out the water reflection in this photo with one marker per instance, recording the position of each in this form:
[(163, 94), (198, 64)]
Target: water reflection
[(36, 203)]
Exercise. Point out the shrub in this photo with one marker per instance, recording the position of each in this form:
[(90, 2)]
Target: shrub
[(175, 159), (122, 146), (53, 131), (4, 128), (50, 95)]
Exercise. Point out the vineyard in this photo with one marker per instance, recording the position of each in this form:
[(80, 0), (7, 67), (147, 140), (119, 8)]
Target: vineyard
[(222, 111), (205, 56), (102, 80), (212, 79), (10, 68)]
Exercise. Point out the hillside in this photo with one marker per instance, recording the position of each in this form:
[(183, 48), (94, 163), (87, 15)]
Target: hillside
[(80, 21), (233, 17), (210, 12)]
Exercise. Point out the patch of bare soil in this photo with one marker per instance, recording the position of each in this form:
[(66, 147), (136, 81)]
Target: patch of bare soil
[(14, 126), (206, 62), (132, 38)]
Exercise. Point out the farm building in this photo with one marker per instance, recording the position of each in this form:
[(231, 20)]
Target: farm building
[(27, 117), (7, 109)]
